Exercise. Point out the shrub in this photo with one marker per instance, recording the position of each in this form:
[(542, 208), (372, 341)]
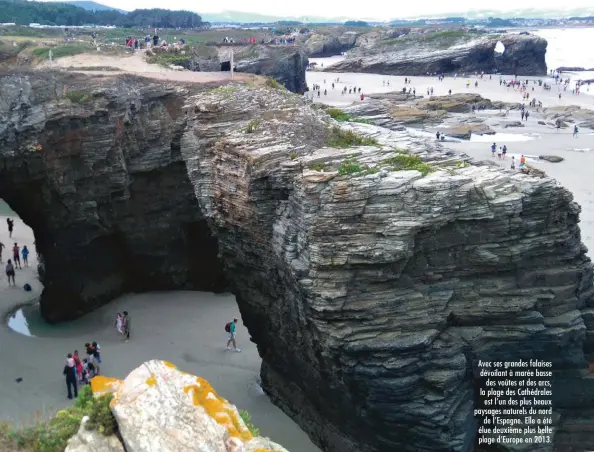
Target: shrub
[(349, 166), (78, 97), (53, 435), (293, 155), (404, 162), (339, 115), (318, 166), (339, 138), (247, 419), (272, 83), (361, 120), (252, 126)]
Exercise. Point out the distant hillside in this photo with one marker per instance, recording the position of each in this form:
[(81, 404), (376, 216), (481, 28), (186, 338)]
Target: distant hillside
[(254, 18), (66, 14), (92, 6)]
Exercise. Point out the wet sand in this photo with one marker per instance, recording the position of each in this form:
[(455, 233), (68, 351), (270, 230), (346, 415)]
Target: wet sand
[(186, 328)]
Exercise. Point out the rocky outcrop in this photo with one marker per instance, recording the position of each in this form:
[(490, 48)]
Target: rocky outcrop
[(447, 52), (284, 64), (372, 277), (160, 408), (325, 45), (90, 440)]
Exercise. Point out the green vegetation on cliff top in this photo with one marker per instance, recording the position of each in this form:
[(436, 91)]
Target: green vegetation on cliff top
[(53, 435)]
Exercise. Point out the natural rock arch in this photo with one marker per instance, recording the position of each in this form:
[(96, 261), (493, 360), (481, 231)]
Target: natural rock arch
[(366, 296)]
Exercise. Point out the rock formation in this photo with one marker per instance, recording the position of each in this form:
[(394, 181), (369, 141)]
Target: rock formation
[(371, 273), (448, 52), (160, 408), (325, 45)]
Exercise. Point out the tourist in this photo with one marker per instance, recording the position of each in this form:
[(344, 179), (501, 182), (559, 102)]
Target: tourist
[(96, 356), (1, 248), (231, 328), (437, 135), (522, 161), (25, 254), (493, 149), (526, 115), (119, 323), (575, 131), (126, 325), (499, 153), (522, 114), (10, 223), (16, 255), (70, 374), (513, 163), (504, 151), (78, 366), (10, 272)]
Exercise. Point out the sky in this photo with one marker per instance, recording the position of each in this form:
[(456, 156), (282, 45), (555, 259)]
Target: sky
[(365, 9)]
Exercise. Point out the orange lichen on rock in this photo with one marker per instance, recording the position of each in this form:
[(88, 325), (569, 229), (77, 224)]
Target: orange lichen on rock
[(151, 381), (204, 395), (171, 365), (101, 385)]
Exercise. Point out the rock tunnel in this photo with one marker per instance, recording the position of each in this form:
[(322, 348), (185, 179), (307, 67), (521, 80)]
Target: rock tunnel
[(368, 310)]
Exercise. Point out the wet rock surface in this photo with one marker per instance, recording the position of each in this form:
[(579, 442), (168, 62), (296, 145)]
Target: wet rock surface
[(448, 52), (372, 277)]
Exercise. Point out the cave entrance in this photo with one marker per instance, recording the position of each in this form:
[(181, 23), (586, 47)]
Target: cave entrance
[(226, 66), (499, 48)]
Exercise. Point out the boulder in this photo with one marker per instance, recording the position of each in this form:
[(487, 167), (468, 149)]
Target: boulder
[(464, 131), (509, 124), (160, 408), (447, 51), (551, 158), (92, 441)]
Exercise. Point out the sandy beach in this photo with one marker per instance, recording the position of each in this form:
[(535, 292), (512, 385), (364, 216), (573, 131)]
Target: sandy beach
[(186, 328)]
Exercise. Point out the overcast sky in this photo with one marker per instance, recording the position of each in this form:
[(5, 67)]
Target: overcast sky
[(369, 9)]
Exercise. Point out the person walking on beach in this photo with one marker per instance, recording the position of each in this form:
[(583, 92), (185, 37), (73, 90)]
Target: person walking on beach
[(493, 149), (15, 255), (119, 323), (513, 163), (527, 114), (504, 151), (1, 248), (10, 272), (25, 254), (575, 131), (522, 114), (126, 325), (10, 224), (231, 328), (70, 374)]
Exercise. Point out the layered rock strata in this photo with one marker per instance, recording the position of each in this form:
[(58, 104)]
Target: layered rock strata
[(447, 53), (372, 278)]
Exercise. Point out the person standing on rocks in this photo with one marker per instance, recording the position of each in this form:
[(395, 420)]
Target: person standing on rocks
[(70, 374), (231, 328), (10, 272), (513, 163), (10, 223)]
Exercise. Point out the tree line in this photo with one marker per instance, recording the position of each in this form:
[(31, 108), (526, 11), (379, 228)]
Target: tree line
[(26, 12)]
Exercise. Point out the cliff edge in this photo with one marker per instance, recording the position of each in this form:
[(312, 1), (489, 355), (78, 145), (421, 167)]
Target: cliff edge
[(373, 269), (448, 52)]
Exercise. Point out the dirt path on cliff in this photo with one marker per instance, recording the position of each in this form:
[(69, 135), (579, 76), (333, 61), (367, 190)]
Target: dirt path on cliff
[(136, 64)]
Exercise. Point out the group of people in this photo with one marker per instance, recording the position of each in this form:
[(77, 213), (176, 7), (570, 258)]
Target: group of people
[(15, 263), (80, 371)]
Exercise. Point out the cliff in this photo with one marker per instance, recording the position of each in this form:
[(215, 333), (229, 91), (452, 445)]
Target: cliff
[(157, 407), (372, 273), (326, 45), (446, 51)]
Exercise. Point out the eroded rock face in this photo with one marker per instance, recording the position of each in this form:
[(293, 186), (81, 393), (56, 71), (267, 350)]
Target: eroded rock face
[(420, 55), (326, 45), (371, 296)]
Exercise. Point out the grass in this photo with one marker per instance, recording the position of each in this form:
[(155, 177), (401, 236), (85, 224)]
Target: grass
[(408, 162), (252, 126), (247, 419), (339, 138), (53, 435), (318, 166), (272, 83), (349, 166), (443, 38), (62, 51), (293, 155), (339, 115), (167, 58), (78, 97)]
